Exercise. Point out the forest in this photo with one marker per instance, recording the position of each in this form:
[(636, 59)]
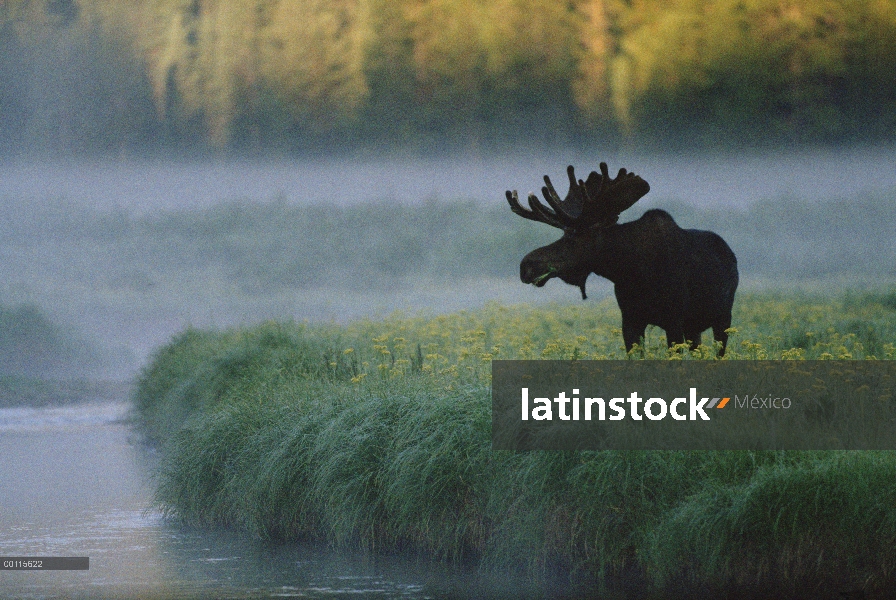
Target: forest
[(251, 77)]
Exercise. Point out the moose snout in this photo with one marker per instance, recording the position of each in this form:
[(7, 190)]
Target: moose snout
[(535, 271), (527, 271), (527, 274)]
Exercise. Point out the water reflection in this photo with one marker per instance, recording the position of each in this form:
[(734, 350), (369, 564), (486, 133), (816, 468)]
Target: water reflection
[(135, 553), (74, 481)]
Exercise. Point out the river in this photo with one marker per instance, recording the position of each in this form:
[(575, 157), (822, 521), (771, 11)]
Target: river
[(77, 481)]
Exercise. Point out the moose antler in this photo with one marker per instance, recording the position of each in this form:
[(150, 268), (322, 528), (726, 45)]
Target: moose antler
[(606, 199), (562, 214), (597, 201)]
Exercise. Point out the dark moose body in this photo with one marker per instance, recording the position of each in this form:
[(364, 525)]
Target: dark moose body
[(682, 280)]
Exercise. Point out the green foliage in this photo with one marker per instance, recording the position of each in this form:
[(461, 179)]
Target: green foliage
[(485, 63), (259, 75), (787, 520), (199, 368), (342, 434), (760, 70), (246, 73)]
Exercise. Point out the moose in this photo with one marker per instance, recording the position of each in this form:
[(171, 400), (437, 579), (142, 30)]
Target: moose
[(681, 280)]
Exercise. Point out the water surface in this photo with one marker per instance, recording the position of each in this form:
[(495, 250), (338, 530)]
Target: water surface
[(76, 481)]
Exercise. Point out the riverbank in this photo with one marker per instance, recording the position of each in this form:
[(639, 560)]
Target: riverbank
[(376, 434)]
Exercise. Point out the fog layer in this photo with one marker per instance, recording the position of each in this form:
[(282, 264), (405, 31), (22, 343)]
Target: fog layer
[(114, 258), (734, 179)]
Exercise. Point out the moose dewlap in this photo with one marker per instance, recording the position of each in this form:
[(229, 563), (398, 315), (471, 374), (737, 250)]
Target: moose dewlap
[(682, 280)]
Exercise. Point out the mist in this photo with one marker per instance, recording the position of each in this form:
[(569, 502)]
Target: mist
[(122, 255), (733, 179)]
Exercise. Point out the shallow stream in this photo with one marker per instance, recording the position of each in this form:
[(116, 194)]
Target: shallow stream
[(76, 481)]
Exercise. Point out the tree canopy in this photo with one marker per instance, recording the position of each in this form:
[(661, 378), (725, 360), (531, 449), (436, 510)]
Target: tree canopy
[(255, 75)]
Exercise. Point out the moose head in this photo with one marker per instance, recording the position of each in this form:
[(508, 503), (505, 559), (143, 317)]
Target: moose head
[(589, 207), (682, 280)]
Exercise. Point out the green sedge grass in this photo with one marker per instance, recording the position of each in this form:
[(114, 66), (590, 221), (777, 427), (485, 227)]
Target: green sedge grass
[(376, 434)]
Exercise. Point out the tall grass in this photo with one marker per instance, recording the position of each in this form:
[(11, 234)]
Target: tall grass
[(790, 519), (376, 434)]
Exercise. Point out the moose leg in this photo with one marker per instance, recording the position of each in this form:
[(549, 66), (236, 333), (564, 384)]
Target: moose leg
[(718, 332), (693, 338), (632, 333), (675, 335)]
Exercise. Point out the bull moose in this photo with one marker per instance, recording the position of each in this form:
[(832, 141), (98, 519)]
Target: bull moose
[(682, 280)]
